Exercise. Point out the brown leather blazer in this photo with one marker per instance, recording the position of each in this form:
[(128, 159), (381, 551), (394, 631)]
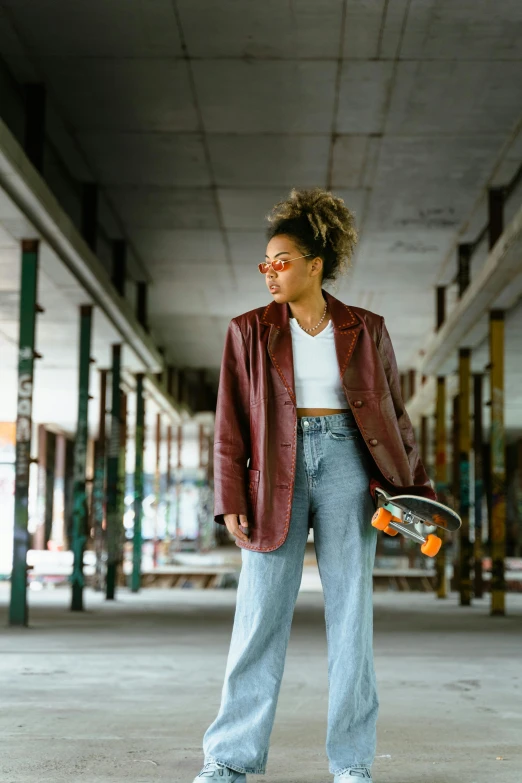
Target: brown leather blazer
[(256, 421)]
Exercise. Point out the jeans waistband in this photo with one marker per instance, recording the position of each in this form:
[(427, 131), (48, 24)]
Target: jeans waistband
[(324, 423)]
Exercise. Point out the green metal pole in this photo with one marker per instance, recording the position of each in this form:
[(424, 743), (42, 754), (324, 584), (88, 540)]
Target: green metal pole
[(122, 476), (478, 446), (441, 479), (498, 464), (98, 490), (113, 458), (138, 484), (168, 494), (157, 491), (79, 513), (466, 550), (18, 612)]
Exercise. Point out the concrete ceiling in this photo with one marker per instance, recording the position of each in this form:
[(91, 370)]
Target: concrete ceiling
[(196, 116)]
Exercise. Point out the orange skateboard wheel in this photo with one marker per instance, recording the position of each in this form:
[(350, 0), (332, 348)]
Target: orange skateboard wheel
[(390, 531), (431, 546), (381, 519)]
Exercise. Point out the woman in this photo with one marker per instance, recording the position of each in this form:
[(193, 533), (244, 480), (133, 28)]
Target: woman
[(309, 420)]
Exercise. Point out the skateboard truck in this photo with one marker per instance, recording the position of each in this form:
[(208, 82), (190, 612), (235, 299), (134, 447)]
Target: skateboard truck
[(391, 523)]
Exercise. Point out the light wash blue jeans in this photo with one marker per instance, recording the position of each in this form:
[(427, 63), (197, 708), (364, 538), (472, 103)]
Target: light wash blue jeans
[(331, 485)]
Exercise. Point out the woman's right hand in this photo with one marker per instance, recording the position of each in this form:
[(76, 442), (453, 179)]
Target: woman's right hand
[(232, 521)]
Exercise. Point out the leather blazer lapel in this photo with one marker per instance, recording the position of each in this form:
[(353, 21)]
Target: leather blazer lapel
[(347, 327), (280, 350)]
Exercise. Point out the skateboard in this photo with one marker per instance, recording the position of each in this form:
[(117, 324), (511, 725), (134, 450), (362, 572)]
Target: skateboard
[(402, 514)]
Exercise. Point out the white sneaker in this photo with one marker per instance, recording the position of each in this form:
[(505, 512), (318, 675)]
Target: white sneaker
[(355, 775), (218, 773)]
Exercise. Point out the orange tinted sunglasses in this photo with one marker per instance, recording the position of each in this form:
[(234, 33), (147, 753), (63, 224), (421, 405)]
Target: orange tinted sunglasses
[(278, 264)]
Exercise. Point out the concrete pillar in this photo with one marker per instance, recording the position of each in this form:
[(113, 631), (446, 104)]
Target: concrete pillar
[(498, 467), (178, 483), (157, 490), (168, 490), (441, 479), (79, 517), (455, 485), (138, 484), (98, 490), (122, 473), (478, 446), (113, 455), (58, 532), (464, 455), (45, 486), (68, 497), (18, 610)]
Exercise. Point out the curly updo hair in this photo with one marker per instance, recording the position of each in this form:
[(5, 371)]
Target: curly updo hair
[(319, 223)]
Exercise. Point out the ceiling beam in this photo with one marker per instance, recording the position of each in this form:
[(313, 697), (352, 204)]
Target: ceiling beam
[(26, 188)]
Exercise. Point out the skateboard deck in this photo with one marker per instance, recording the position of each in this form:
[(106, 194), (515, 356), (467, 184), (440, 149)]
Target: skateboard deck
[(402, 513)]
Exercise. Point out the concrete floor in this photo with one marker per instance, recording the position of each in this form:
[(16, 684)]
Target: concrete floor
[(125, 690)]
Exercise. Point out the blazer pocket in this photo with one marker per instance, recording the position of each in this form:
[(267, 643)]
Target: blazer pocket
[(253, 486)]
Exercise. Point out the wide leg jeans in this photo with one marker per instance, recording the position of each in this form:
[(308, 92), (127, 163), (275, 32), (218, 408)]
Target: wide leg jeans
[(331, 485)]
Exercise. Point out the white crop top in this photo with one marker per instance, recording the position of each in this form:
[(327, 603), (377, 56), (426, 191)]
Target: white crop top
[(316, 369)]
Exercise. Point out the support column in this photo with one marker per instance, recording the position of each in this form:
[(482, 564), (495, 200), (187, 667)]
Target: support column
[(98, 490), (50, 469), (79, 516), (498, 467), (466, 551), (138, 484), (45, 487), (157, 489), (58, 532), (478, 445), (113, 521), (179, 483), (122, 469), (168, 491), (455, 486), (38, 538), (18, 611), (441, 479), (68, 494)]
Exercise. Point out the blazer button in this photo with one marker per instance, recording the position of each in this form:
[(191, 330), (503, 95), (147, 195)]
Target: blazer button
[(373, 442), (358, 404)]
